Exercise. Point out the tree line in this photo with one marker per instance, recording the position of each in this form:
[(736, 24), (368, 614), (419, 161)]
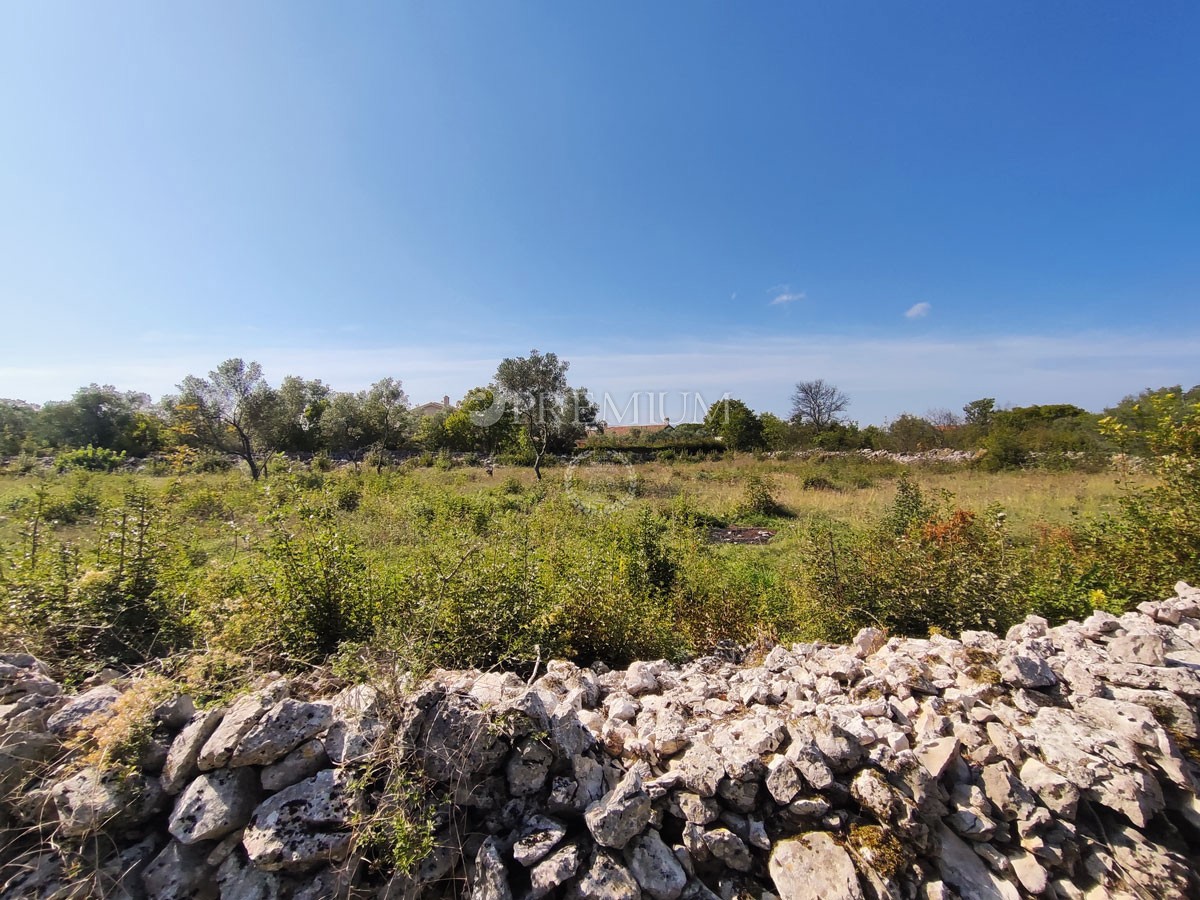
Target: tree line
[(527, 411)]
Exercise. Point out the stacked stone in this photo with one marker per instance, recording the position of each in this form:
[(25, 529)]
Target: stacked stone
[(1053, 762)]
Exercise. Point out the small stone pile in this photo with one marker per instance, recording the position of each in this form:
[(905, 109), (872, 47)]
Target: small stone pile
[(1054, 762)]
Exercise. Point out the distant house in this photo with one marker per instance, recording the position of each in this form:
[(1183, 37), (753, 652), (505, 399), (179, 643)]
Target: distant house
[(433, 408), (637, 431)]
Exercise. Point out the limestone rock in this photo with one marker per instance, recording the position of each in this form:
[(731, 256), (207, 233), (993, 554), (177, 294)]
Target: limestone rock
[(554, 870), (181, 765), (356, 727), (69, 719), (215, 804), (1026, 670), (605, 878), (730, 849), (456, 740), (528, 767), (305, 761), (180, 872), (283, 728), (491, 878), (654, 866), (1144, 649), (813, 867), (304, 825), (962, 869), (92, 800), (539, 836), (621, 814), (242, 715)]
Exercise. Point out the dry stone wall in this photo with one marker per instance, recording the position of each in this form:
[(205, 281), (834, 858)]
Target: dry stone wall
[(1053, 762)]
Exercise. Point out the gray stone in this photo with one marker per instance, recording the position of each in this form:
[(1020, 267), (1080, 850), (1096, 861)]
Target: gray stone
[(729, 849), (873, 793), (305, 761), (238, 879), (554, 870), (215, 804), (456, 741), (868, 641), (1010, 796), (22, 753), (1026, 670), (283, 728), (640, 679), (91, 801), (694, 808), (936, 756), (963, 870), (700, 768), (180, 872), (304, 825), (605, 878), (492, 688), (491, 878), (242, 715), (69, 719), (811, 764), (539, 836), (654, 866), (621, 814), (528, 767), (783, 781), (813, 866), (181, 765), (1029, 872), (176, 712), (1143, 649)]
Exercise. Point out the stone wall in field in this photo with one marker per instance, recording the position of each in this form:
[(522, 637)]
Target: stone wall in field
[(1053, 762)]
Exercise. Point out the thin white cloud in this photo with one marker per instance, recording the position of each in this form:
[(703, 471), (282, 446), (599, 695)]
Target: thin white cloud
[(918, 311), (784, 295)]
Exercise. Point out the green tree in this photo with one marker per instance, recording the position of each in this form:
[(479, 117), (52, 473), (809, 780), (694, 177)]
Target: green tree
[(912, 434), (535, 387), (979, 412), (229, 412), (99, 416), (16, 422), (736, 424), (296, 413), (472, 427), (1139, 416), (378, 419), (777, 434)]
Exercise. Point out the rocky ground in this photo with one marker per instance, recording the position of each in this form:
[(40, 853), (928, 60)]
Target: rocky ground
[(1053, 762)]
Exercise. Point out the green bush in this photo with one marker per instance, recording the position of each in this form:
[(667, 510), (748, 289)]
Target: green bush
[(758, 498), (93, 459)]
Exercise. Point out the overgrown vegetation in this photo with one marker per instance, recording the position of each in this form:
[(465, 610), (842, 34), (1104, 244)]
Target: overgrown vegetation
[(450, 567)]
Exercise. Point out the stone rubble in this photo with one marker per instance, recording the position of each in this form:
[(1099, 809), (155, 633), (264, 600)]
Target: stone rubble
[(1055, 762)]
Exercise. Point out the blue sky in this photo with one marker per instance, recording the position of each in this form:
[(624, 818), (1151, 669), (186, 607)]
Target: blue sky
[(924, 203)]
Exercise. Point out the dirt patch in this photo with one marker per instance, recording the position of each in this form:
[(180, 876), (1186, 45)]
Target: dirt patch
[(740, 534)]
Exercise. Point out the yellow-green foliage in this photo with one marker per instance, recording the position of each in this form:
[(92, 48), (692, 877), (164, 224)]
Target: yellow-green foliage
[(117, 736), (454, 567)]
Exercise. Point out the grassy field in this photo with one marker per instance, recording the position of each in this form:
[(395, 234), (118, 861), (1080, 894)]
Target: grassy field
[(597, 560)]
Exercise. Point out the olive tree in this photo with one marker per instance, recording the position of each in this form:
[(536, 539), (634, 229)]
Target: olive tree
[(231, 411), (550, 413)]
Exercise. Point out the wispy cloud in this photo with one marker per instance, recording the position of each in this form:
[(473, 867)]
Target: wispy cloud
[(784, 294), (918, 311)]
